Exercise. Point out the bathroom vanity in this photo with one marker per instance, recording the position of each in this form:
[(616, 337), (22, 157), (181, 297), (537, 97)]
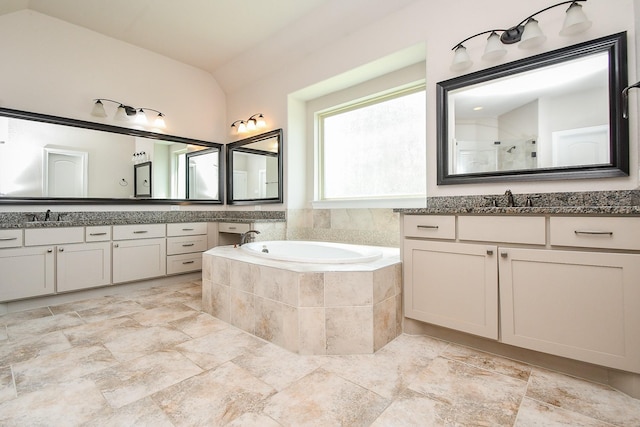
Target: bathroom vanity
[(561, 281), (47, 258)]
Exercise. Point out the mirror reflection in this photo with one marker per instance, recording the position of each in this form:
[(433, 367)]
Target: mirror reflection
[(554, 112), (255, 169), (203, 169), (64, 160), (142, 180)]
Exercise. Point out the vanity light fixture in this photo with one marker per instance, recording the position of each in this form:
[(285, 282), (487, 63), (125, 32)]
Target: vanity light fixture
[(254, 122), (527, 33), (127, 113)]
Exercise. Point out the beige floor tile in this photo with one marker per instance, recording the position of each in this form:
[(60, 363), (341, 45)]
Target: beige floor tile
[(4, 334), (43, 325), (143, 412), (253, 420), (81, 305), (140, 342), (28, 347), (109, 311), (325, 399), (74, 363), (488, 361), (590, 399), (101, 331), (7, 386), (162, 314), (213, 398), (199, 324), (214, 349), (21, 316), (537, 414), (412, 409), (133, 380), (68, 403), (277, 367), (472, 395)]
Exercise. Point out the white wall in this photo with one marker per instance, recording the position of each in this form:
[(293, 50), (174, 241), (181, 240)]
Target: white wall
[(429, 24), (52, 67)]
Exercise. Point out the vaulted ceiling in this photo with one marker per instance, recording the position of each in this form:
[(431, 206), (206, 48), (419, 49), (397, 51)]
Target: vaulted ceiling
[(234, 40)]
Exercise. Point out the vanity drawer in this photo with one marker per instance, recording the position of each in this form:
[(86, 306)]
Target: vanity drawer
[(184, 263), (502, 229), (233, 227), (138, 231), (100, 233), (10, 238), (430, 226), (53, 236), (186, 229), (595, 232), (185, 245)]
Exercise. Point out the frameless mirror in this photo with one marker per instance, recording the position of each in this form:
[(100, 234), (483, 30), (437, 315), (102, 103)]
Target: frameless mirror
[(55, 159), (142, 180), (552, 116), (254, 169)]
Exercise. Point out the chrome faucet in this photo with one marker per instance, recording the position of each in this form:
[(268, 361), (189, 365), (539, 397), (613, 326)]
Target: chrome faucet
[(245, 237), (47, 215), (510, 201)]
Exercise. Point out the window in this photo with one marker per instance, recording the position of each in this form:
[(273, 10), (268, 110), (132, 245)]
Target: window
[(373, 149)]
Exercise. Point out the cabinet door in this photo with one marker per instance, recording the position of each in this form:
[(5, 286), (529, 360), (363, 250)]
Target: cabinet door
[(26, 272), (83, 266), (581, 305), (139, 259), (453, 285)]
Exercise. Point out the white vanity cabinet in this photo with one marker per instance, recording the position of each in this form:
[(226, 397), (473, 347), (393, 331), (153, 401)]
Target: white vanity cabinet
[(185, 244), (566, 286), (27, 272), (139, 252)]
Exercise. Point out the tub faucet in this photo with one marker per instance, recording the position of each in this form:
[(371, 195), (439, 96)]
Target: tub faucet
[(245, 237), (510, 201)]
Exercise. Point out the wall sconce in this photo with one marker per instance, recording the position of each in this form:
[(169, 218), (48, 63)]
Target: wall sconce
[(127, 113), (252, 123), (527, 33)]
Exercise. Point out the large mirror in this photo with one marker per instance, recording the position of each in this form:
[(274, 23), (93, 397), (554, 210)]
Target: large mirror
[(556, 115), (254, 169), (53, 159)]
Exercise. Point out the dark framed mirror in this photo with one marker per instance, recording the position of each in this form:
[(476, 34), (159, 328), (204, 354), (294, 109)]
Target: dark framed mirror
[(142, 180), (557, 115), (254, 169), (59, 160), (203, 172)]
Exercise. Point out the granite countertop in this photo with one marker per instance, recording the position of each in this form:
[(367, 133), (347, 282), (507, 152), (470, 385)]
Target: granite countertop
[(624, 202), (12, 220)]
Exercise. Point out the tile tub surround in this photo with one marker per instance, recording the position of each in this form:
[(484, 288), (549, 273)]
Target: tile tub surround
[(306, 308)]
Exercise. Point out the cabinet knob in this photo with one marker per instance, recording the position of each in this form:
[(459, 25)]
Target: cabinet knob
[(49, 251), (489, 251), (60, 249), (504, 254), (115, 245)]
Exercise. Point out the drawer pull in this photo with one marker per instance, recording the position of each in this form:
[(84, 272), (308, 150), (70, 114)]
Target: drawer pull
[(187, 229), (187, 245), (140, 232), (8, 238), (594, 233), (98, 234), (188, 262), (429, 227), (232, 228)]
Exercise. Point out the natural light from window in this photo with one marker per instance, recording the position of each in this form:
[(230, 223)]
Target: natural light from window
[(374, 150)]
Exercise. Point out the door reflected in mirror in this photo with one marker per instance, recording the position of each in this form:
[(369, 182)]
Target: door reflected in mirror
[(203, 170), (255, 169), (557, 112)]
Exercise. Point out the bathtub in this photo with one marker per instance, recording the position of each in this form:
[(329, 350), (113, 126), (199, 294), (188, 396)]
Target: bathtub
[(309, 297), (313, 252)]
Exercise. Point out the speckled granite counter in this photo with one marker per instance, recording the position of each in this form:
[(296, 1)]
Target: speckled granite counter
[(73, 219), (626, 202)]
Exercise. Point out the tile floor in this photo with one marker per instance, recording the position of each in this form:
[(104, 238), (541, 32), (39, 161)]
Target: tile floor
[(152, 358)]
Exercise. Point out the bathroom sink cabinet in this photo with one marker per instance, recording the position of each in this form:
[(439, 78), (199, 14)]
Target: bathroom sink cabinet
[(566, 286)]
